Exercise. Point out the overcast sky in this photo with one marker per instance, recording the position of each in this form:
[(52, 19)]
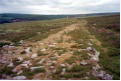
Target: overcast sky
[(59, 6)]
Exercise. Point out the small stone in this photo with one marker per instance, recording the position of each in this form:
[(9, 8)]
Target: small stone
[(86, 78), (25, 65), (90, 44), (27, 50), (19, 78), (20, 59), (54, 71), (34, 55), (51, 67), (62, 65), (43, 50), (54, 43), (63, 71), (33, 68), (40, 62), (83, 62), (41, 43), (54, 62), (107, 77), (51, 45), (21, 41), (26, 62), (11, 65), (20, 72), (89, 48)]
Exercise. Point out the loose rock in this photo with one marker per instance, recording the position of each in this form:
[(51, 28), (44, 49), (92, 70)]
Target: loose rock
[(19, 78)]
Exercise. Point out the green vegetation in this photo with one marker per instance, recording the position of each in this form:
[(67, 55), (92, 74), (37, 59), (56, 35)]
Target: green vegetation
[(107, 30), (6, 70), (33, 30)]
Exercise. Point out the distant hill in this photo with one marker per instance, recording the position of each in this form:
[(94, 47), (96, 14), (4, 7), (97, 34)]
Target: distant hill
[(13, 17)]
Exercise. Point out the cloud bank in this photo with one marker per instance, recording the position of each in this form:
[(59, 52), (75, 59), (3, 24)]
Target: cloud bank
[(59, 6)]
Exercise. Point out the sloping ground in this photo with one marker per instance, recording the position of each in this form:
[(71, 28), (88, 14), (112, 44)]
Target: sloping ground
[(72, 53)]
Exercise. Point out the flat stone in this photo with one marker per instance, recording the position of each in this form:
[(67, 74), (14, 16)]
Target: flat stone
[(62, 65), (41, 61), (19, 78), (107, 77), (43, 50), (90, 44), (33, 68), (83, 62), (52, 45)]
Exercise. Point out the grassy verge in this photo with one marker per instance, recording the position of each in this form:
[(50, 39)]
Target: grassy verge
[(107, 30)]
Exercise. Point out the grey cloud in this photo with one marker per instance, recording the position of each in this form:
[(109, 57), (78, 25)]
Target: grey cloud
[(58, 6)]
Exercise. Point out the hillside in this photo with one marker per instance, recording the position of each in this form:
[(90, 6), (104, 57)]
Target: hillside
[(13, 17), (61, 49)]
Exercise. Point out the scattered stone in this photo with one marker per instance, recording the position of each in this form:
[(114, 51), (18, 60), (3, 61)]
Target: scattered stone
[(107, 77), (5, 47), (19, 78), (11, 65), (33, 68), (102, 75), (34, 55), (83, 62)]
